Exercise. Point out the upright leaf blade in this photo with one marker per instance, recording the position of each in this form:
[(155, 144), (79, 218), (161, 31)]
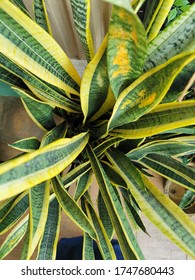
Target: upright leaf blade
[(48, 245), (95, 85), (126, 49), (38, 206), (41, 17), (81, 15), (160, 18)]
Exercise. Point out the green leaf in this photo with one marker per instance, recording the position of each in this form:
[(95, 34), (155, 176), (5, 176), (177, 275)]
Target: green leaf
[(38, 166), (13, 238), (172, 15), (126, 49), (177, 37), (87, 252), (170, 147), (74, 174), (26, 145), (81, 15), (5, 206), (48, 245), (95, 86), (40, 89), (84, 182), (71, 208), (16, 211), (163, 118), (180, 3), (171, 169), (7, 79), (187, 200), (163, 10), (40, 14), (104, 216), (103, 241), (36, 50), (38, 207), (147, 91), (156, 206), (128, 244), (40, 112)]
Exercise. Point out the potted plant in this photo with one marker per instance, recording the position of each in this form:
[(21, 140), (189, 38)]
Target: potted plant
[(121, 119)]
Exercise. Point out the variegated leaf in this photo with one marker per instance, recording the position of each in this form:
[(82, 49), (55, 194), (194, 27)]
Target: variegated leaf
[(126, 48), (147, 91), (24, 42), (38, 166)]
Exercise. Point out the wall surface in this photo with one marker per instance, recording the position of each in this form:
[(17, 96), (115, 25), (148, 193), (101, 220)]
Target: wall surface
[(60, 15)]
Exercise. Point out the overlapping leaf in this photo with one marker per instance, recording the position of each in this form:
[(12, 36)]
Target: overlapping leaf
[(24, 42), (174, 39), (39, 166), (147, 91), (128, 244), (163, 118), (162, 212)]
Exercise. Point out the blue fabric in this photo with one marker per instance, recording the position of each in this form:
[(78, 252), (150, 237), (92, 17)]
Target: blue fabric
[(71, 249)]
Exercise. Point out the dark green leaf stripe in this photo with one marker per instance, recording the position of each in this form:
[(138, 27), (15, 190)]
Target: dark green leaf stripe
[(40, 14), (17, 209), (48, 245), (177, 37), (81, 16), (40, 165), (126, 49), (165, 214), (29, 46), (171, 169), (171, 147)]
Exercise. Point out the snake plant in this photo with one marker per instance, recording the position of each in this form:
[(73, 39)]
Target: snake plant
[(121, 119)]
